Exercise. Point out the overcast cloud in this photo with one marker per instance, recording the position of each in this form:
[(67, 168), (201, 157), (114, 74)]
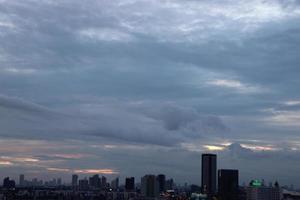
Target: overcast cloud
[(129, 87)]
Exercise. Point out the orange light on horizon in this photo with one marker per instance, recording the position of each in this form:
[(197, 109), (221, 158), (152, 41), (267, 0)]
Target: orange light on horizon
[(95, 171), (58, 169), (83, 171)]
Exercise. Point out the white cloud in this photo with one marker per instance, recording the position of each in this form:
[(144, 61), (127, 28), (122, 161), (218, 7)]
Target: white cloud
[(5, 24), (292, 103), (19, 71), (259, 147), (235, 84), (105, 34), (284, 118)]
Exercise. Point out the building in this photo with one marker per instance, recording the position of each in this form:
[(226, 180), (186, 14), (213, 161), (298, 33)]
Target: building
[(169, 184), (103, 183), (198, 196), (95, 181), (290, 195), (129, 184), (22, 180), (59, 182), (83, 184), (115, 184), (258, 191), (74, 180), (8, 184), (149, 186), (161, 180), (209, 174), (228, 184)]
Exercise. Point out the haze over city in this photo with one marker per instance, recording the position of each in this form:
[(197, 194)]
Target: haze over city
[(130, 87)]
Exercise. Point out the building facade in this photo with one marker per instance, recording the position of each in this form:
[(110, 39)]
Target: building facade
[(149, 186), (258, 191), (129, 184), (209, 174), (228, 184)]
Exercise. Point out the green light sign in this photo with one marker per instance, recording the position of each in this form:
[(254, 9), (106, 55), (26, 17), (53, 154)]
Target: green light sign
[(256, 183)]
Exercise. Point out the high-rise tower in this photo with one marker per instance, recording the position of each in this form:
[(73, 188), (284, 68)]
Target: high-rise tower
[(228, 184), (209, 174)]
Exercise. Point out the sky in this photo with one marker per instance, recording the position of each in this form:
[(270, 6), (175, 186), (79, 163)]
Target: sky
[(133, 87)]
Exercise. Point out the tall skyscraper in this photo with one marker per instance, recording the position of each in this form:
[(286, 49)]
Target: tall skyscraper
[(149, 186), (161, 179), (209, 174), (228, 184), (22, 180), (74, 180), (129, 184)]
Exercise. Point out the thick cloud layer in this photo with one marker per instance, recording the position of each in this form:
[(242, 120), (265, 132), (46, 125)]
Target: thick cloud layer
[(122, 86)]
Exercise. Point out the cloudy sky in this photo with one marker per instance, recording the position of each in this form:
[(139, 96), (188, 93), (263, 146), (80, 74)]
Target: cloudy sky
[(129, 87)]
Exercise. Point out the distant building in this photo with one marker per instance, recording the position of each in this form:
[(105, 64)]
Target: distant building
[(115, 184), (103, 183), (228, 184), (129, 184), (59, 182), (22, 180), (258, 191), (195, 189), (290, 195), (74, 180), (83, 184), (149, 186), (209, 174), (161, 180), (169, 184), (8, 184), (95, 181), (198, 196)]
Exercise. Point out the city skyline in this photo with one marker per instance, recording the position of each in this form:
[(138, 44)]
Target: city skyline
[(210, 181), (131, 87), (224, 186)]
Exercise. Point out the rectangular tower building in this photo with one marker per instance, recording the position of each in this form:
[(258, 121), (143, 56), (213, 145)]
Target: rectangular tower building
[(228, 184), (129, 184), (149, 186), (209, 174)]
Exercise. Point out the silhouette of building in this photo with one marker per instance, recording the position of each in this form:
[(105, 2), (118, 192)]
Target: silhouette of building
[(161, 180), (83, 184), (59, 182), (95, 181), (209, 172), (22, 180), (129, 184), (103, 182), (74, 180), (8, 184), (228, 184), (169, 184), (149, 186), (195, 188), (115, 184)]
